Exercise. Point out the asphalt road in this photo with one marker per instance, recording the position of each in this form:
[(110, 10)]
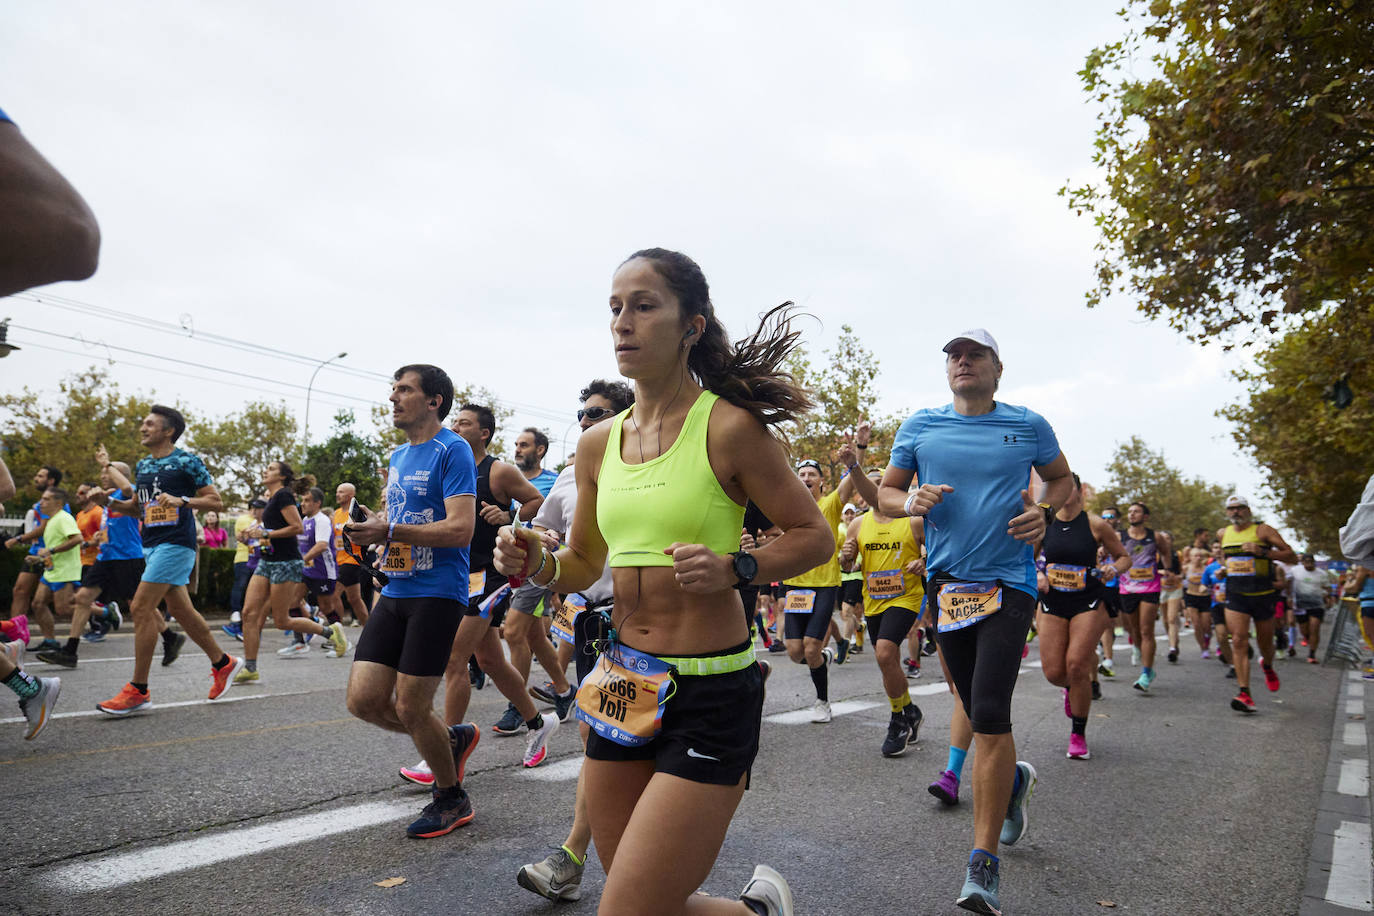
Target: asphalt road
[(1185, 807)]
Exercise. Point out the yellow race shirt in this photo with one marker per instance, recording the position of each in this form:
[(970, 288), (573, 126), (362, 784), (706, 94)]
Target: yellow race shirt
[(885, 549), (827, 574)]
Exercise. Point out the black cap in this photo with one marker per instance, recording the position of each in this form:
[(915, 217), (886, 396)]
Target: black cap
[(258, 504)]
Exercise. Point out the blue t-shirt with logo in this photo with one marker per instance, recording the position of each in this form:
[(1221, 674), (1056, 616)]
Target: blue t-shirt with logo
[(543, 481), (421, 478), (123, 541), (987, 459), (180, 474)]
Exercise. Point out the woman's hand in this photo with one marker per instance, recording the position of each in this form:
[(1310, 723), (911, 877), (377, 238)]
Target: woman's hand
[(517, 551), (700, 570)]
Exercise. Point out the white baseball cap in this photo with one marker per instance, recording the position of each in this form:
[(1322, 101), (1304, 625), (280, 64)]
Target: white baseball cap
[(979, 336), (1235, 500)]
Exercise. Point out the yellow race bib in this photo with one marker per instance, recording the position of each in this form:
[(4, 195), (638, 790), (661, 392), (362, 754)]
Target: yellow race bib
[(156, 516), (477, 584), (885, 584), (1240, 566), (622, 697), (1141, 573), (962, 604), (1065, 577), (565, 617), (398, 559), (799, 601)]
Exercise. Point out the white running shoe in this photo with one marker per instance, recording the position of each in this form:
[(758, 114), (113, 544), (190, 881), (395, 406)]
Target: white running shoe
[(294, 650), (537, 745), (1135, 657), (820, 713), (769, 888)]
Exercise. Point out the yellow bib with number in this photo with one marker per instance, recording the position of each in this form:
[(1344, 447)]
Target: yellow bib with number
[(962, 604), (398, 559), (1065, 577), (622, 697), (884, 584), (155, 515), (1141, 573), (477, 584), (1240, 566), (799, 601), (565, 617)]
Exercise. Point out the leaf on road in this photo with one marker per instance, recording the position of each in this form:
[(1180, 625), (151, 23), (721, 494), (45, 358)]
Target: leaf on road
[(390, 882), (1106, 903)]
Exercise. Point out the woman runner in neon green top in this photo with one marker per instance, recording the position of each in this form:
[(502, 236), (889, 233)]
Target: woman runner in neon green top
[(664, 504)]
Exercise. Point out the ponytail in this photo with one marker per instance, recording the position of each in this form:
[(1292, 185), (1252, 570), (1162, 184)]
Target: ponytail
[(304, 484)]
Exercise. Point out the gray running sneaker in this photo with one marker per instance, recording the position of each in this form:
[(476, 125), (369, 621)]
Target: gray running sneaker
[(38, 708), (556, 878), (770, 889)]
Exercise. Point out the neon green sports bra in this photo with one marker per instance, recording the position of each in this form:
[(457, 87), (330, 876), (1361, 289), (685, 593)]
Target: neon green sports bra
[(675, 498)]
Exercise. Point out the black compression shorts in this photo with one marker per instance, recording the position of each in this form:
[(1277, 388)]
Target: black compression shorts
[(411, 635)]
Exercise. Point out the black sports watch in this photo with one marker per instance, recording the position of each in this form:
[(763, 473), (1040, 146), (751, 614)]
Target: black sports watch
[(746, 568)]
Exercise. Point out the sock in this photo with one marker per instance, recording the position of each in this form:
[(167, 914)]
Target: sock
[(957, 756), (1147, 671), (899, 703), (25, 685), (536, 723), (449, 793), (1245, 690), (250, 664), (223, 660), (73, 644), (820, 676), (983, 852), (1080, 725), (573, 856), (141, 688)]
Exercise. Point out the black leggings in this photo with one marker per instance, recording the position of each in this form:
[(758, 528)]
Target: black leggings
[(985, 659)]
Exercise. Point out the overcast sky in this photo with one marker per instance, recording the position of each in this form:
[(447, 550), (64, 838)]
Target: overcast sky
[(455, 183)]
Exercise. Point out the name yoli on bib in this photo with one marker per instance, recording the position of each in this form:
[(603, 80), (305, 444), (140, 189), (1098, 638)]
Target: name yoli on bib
[(623, 696), (398, 560), (885, 584), (156, 515), (1065, 577), (565, 617), (799, 601), (962, 604)]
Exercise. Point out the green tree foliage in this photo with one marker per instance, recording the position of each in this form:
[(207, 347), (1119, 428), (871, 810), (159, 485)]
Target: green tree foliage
[(1318, 455), (1177, 504), (237, 448), (347, 457), (89, 409), (1236, 143), (844, 392)]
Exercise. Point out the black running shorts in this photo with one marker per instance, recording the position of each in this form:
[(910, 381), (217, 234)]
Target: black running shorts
[(1130, 604), (317, 587), (494, 580), (412, 635), (852, 591), (1259, 607), (116, 579), (350, 574), (892, 624), (1201, 602), (816, 624)]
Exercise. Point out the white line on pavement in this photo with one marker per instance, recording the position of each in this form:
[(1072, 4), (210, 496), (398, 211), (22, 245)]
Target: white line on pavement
[(561, 771), (1355, 735), (1356, 676), (798, 716), (1350, 882), (1354, 778), (1355, 690), (926, 690), (85, 713), (1354, 707), (142, 864), (29, 664)]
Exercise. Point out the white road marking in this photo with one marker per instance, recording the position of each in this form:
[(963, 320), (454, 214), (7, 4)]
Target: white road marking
[(1354, 778), (1354, 707), (561, 771), (1355, 690), (798, 716), (1356, 676), (88, 713), (183, 855), (1350, 883), (1355, 735), (931, 689), (1035, 664), (35, 663)]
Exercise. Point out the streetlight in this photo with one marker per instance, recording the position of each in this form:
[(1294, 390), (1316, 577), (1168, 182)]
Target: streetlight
[(307, 393)]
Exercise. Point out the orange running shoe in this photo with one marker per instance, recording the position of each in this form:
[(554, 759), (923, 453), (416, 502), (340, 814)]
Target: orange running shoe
[(128, 700), (221, 679)]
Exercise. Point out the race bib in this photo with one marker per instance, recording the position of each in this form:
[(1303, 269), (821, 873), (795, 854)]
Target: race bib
[(565, 617), (1195, 579), (1219, 593), (885, 584), (398, 560), (1065, 577), (1240, 566), (962, 604), (477, 584), (158, 516), (622, 697), (799, 601), (1141, 573)]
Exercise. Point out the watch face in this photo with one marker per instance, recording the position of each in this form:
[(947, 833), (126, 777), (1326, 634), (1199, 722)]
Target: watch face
[(746, 567)]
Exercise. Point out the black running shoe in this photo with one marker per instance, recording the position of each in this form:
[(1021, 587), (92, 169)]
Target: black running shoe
[(59, 657), (510, 723), (170, 650), (898, 731), (445, 814), (841, 650), (463, 739), (914, 718)]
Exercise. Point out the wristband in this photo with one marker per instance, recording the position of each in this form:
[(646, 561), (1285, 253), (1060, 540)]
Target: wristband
[(557, 571), (906, 506), (856, 445), (543, 560), (391, 531), (851, 468)]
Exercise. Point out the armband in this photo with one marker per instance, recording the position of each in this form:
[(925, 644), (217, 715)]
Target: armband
[(906, 506)]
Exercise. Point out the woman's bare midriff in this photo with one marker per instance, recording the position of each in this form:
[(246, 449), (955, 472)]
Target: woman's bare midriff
[(653, 614)]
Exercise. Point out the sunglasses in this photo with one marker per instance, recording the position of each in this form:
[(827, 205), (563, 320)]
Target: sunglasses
[(595, 413), (377, 575), (1109, 515)]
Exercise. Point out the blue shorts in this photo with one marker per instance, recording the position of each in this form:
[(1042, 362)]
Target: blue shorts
[(58, 586), (168, 564)]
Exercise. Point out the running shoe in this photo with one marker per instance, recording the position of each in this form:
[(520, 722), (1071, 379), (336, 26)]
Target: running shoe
[(1206, 654), (537, 745), (565, 706), (1291, 650), (1143, 682), (544, 693), (913, 674), (38, 708), (820, 713), (556, 878), (914, 718), (1312, 660), (129, 700), (1097, 691), (47, 644), (1271, 678), (234, 629), (1135, 657), (929, 648), (856, 648), (1231, 672), (898, 731), (912, 666), (97, 632), (113, 616), (449, 811), (828, 656), (1107, 669), (769, 889), (1078, 747), (1243, 702), (337, 641), (21, 628), (841, 650), (1018, 819), (946, 788), (171, 650), (60, 657), (221, 679), (420, 774), (247, 677), (979, 894), (294, 650), (777, 646), (1304, 642), (510, 722), (463, 739), (1173, 655)]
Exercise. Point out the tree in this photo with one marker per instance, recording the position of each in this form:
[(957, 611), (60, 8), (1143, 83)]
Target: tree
[(1318, 454), (1177, 504), (1238, 183), (239, 447), (843, 390), (63, 432), (347, 457)]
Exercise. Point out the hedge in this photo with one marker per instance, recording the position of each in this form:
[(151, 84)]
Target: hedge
[(211, 597)]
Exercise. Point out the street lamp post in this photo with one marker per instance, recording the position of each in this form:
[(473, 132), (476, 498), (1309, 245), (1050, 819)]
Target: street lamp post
[(308, 389)]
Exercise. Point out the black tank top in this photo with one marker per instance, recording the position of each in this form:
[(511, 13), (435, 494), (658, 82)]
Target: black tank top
[(1071, 547), (483, 533)]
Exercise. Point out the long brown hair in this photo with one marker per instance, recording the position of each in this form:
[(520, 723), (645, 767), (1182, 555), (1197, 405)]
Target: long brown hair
[(747, 373)]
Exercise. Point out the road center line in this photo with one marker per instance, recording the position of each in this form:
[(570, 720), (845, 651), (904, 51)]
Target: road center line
[(183, 855), (798, 716), (1350, 882), (1354, 735), (237, 698), (1355, 690), (561, 771), (1354, 778)]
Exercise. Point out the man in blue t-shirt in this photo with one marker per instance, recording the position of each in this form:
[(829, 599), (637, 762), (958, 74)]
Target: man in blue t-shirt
[(172, 485), (530, 448), (431, 509), (972, 460)]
